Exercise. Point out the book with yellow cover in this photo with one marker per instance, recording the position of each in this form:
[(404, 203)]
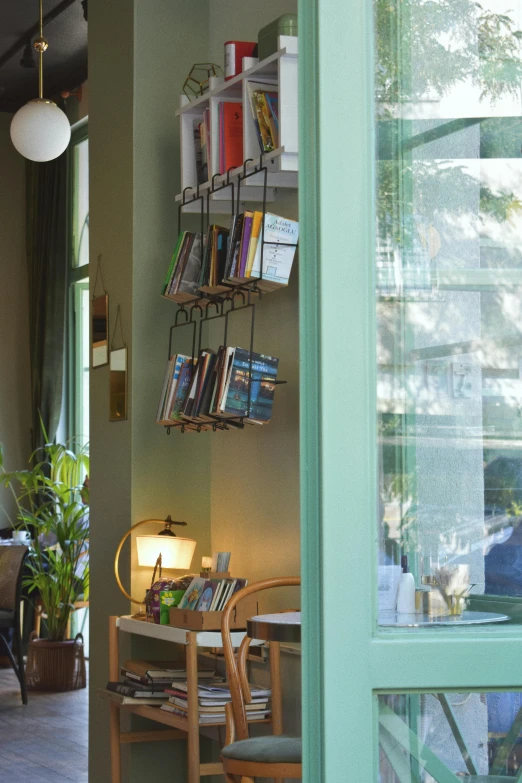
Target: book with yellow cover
[(254, 239)]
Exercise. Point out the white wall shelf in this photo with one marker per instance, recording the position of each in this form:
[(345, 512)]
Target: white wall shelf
[(281, 69)]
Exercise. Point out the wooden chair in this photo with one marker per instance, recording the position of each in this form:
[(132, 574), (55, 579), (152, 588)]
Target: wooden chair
[(12, 559), (276, 756)]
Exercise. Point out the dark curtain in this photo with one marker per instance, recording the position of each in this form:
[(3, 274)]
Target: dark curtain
[(47, 272)]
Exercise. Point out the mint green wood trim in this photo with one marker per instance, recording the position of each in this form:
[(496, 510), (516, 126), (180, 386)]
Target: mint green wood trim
[(337, 367), (311, 544), (439, 662)]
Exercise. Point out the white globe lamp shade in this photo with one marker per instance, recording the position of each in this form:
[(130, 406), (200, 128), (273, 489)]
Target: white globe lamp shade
[(175, 552), (40, 131)]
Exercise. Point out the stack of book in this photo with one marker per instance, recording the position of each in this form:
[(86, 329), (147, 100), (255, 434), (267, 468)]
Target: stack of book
[(212, 700), (210, 595), (145, 682), (264, 103), (219, 387), (233, 255)]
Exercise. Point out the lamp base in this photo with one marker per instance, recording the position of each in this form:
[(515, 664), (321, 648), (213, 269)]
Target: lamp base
[(215, 574)]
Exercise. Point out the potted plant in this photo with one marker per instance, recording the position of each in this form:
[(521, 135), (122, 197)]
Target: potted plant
[(52, 506)]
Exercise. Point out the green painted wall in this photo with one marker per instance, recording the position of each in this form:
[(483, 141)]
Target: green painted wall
[(15, 400), (140, 53), (136, 469)]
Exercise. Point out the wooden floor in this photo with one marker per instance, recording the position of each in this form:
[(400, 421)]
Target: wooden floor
[(46, 741)]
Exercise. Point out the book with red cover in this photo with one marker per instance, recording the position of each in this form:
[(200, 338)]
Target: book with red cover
[(232, 117)]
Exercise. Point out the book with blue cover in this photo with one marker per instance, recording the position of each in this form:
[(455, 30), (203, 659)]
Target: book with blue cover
[(261, 377)]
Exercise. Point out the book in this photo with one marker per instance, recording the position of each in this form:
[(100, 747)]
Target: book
[(263, 371), (245, 242), (153, 669), (207, 596), (193, 593), (280, 242), (206, 719), (201, 171), (236, 229), (231, 131), (172, 374), (212, 691), (189, 280), (254, 239), (262, 114), (165, 680), (136, 692), (182, 388), (205, 710), (119, 698)]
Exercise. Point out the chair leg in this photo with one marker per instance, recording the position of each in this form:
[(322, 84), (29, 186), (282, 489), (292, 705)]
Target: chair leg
[(21, 667)]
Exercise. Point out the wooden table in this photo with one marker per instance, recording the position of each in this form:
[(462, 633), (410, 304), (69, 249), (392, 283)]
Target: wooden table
[(280, 627), (179, 728)]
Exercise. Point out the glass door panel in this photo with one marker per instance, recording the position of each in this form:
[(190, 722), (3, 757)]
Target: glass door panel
[(450, 737), (448, 113)]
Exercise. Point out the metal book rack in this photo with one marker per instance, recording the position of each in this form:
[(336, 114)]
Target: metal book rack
[(260, 168), (195, 316), (231, 296)]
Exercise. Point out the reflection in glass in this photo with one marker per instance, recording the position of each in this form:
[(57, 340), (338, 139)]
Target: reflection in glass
[(450, 737), (448, 112), (100, 330), (118, 385), (80, 227)]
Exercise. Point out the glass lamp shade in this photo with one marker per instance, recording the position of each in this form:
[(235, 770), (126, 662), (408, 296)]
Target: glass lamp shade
[(40, 131), (175, 552)]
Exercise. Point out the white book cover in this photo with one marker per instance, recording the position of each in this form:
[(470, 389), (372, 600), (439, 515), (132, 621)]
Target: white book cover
[(277, 258)]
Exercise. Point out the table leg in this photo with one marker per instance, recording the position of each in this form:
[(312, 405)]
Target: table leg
[(192, 709), (114, 710), (275, 682)]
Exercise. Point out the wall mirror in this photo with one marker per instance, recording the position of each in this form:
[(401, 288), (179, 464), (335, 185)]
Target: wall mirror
[(118, 385), (100, 330)]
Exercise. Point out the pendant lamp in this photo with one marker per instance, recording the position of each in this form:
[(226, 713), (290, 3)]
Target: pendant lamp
[(40, 131)]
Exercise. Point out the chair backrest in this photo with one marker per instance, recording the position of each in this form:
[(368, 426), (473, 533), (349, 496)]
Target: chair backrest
[(236, 668), (11, 563)]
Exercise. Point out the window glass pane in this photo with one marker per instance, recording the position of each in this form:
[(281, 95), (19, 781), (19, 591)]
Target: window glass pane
[(447, 737), (449, 308), (80, 228)]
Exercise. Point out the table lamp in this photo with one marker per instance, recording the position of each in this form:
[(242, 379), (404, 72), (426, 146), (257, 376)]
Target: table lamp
[(163, 550)]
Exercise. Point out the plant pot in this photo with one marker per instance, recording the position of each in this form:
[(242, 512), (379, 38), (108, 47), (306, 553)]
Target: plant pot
[(55, 666)]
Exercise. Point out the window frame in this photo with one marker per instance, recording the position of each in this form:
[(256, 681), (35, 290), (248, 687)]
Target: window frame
[(77, 280)]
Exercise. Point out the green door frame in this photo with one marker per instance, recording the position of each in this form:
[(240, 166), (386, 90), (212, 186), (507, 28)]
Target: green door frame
[(347, 661)]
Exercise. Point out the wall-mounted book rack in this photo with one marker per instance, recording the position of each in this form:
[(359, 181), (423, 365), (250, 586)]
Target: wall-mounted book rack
[(195, 316), (234, 183)]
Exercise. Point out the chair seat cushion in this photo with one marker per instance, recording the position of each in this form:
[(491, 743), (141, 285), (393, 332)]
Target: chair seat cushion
[(266, 750)]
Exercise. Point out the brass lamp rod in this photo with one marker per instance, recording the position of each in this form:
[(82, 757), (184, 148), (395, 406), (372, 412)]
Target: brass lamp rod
[(40, 59), (41, 45), (168, 521)]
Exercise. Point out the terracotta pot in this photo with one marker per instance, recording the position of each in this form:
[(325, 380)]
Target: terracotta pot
[(55, 666)]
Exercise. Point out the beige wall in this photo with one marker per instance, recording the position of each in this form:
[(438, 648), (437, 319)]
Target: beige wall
[(15, 400)]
